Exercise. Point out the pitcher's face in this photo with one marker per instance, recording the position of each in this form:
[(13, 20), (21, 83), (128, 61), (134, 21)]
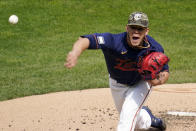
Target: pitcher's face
[(136, 34)]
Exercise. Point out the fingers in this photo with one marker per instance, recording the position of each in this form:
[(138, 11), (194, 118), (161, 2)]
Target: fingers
[(155, 82), (163, 76), (71, 60)]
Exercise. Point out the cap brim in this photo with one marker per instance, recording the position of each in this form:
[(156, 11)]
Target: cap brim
[(137, 25)]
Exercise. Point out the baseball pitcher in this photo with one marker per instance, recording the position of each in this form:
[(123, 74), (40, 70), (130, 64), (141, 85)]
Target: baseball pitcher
[(135, 62)]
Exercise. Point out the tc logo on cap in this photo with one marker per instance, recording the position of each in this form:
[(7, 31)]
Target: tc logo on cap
[(137, 16)]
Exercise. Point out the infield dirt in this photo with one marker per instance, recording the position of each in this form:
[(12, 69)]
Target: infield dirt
[(93, 110)]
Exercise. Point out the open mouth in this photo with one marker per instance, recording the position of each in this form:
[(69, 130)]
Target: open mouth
[(135, 38)]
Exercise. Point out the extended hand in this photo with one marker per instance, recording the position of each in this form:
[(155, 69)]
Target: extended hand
[(80, 45), (71, 60)]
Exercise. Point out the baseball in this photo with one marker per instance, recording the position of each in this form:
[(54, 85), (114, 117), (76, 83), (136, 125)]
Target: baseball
[(13, 19)]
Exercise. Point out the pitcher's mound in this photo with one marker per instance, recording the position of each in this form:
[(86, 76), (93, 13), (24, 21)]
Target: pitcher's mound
[(93, 110)]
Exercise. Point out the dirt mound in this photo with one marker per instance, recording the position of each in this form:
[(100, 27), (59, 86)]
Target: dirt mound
[(93, 110)]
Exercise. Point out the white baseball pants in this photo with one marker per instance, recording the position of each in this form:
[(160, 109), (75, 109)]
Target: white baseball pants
[(128, 101)]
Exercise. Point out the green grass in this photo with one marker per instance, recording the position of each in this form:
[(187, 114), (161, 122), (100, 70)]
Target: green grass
[(32, 52)]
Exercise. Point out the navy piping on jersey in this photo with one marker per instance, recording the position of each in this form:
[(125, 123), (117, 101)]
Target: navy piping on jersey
[(96, 41)]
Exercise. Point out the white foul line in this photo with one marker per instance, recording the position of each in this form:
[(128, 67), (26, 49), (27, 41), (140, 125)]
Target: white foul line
[(181, 113)]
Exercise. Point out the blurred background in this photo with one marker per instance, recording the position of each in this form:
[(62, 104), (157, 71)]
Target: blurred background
[(33, 51)]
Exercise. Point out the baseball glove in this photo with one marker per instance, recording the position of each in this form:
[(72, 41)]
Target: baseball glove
[(151, 65)]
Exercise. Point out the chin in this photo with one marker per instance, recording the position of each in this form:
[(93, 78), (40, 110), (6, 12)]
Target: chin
[(135, 44)]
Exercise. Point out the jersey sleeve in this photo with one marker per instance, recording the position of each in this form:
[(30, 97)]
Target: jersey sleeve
[(165, 68), (98, 40)]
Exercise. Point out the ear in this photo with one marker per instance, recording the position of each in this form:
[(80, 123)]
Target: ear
[(126, 28), (147, 30)]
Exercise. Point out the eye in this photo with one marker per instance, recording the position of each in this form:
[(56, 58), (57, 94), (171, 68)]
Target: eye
[(140, 29), (136, 28)]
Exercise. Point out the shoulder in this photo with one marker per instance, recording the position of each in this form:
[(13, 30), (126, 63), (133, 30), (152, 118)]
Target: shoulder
[(116, 38), (110, 38), (111, 35), (156, 46), (107, 40)]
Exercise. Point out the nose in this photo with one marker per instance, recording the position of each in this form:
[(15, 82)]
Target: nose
[(136, 31)]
